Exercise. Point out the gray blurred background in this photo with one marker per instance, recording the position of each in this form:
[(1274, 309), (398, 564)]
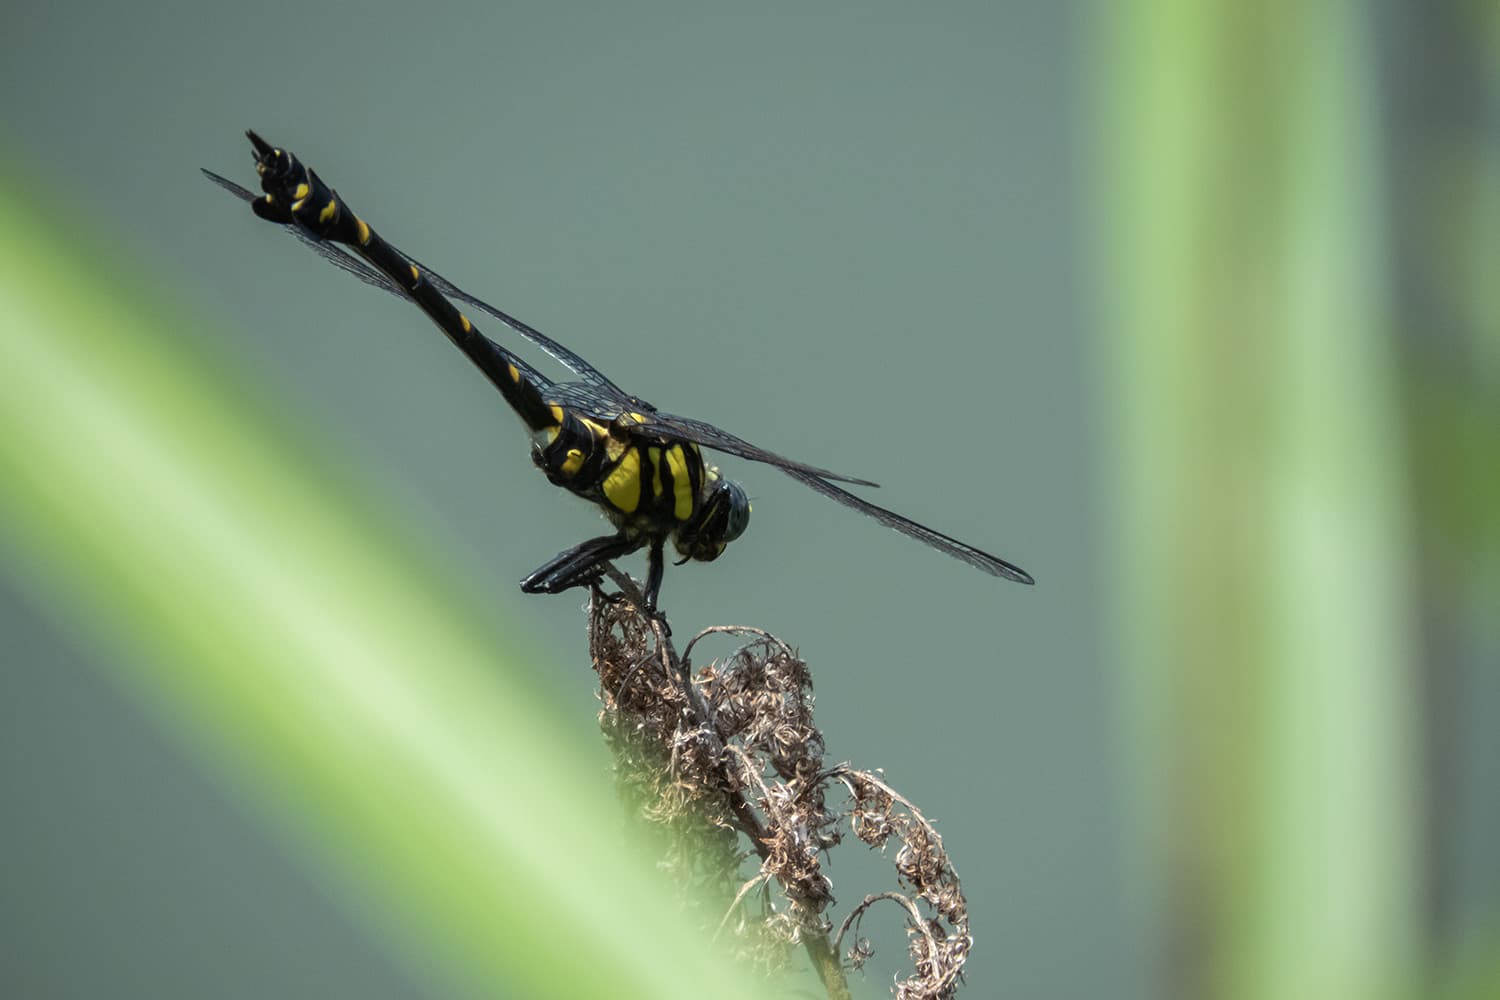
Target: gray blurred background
[(1187, 309), (847, 233)]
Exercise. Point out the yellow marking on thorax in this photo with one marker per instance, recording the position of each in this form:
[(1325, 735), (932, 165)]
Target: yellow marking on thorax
[(557, 412), (622, 487), (302, 192), (682, 484), (364, 232), (573, 462), (654, 454)]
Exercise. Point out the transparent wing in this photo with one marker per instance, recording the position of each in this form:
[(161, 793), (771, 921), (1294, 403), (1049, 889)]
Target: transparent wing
[(979, 559), (331, 252), (709, 436), (557, 352), (593, 394), (351, 264)]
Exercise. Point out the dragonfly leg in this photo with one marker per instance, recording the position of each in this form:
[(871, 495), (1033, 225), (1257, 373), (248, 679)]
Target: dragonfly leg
[(578, 566), (655, 567)]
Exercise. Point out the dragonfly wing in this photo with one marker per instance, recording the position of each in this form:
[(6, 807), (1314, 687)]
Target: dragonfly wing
[(587, 400), (568, 358), (977, 558), (598, 404), (331, 252), (593, 394), (706, 434), (350, 264)]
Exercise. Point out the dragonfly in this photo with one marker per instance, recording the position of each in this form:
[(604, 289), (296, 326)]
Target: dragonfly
[(643, 467)]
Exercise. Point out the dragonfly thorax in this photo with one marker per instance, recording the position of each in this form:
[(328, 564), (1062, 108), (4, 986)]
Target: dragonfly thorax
[(651, 487)]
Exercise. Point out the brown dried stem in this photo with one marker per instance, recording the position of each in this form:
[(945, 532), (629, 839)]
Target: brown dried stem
[(731, 752)]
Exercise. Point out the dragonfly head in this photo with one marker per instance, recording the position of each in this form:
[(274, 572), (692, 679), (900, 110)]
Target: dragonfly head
[(722, 517)]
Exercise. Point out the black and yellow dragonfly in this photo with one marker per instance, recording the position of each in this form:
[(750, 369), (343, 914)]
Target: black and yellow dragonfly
[(643, 467)]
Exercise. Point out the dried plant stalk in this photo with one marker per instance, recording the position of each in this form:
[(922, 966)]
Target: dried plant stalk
[(725, 764)]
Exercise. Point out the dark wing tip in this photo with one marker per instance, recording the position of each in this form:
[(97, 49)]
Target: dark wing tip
[(1019, 575), (239, 192), (932, 538), (995, 566)]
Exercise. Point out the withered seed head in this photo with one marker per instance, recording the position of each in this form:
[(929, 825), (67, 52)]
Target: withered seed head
[(733, 752)]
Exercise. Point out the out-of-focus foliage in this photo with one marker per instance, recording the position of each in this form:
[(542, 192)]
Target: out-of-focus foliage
[(155, 502), (1294, 210), (1301, 312)]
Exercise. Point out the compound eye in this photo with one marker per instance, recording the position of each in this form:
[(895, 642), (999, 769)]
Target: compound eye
[(737, 511)]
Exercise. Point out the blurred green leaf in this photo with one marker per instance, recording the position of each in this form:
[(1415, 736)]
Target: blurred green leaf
[(1259, 483), (274, 616)]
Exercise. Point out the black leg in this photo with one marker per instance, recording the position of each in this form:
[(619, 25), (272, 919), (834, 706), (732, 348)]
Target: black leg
[(578, 566), (655, 567)]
